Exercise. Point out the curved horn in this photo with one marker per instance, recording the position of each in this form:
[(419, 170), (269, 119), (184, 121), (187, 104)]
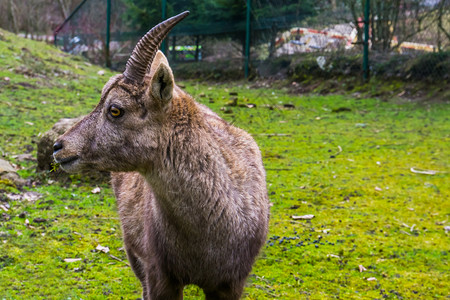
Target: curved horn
[(146, 48)]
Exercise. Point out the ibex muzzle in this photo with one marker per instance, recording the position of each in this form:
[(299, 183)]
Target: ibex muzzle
[(190, 188)]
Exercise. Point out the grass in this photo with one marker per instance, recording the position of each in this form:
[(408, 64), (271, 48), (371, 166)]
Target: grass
[(346, 161)]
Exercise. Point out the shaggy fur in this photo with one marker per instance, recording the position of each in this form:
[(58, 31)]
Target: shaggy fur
[(190, 187)]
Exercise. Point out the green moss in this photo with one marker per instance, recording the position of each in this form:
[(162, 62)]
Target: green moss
[(347, 161)]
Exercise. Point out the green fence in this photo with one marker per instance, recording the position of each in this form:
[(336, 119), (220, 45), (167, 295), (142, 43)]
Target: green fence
[(252, 32)]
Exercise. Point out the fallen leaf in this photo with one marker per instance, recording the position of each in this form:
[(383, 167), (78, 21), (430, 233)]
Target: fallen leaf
[(341, 109), (378, 189), (305, 217), (371, 279), (333, 255), (226, 110), (69, 260), (102, 249), (361, 268), (31, 196), (95, 190), (426, 172), (40, 220), (27, 224), (13, 197)]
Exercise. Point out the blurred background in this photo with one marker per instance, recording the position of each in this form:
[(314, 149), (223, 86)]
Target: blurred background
[(229, 39)]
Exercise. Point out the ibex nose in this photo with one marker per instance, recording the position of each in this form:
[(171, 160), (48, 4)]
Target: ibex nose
[(57, 146)]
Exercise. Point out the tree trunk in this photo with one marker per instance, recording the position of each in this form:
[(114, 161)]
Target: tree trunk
[(442, 12), (273, 40), (333, 5), (355, 14), (12, 8)]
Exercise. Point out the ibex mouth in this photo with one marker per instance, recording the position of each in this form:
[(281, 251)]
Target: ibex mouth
[(66, 162)]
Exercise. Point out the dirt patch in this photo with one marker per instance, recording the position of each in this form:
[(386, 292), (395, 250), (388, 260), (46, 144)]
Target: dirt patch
[(27, 85)]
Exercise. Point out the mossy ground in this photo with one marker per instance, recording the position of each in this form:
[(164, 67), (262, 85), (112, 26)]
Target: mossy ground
[(346, 161)]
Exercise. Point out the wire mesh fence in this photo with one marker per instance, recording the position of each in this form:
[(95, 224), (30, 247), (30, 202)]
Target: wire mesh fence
[(404, 36)]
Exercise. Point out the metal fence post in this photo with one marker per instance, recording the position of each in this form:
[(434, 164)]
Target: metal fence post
[(108, 33), (174, 44), (366, 41), (197, 45), (247, 39)]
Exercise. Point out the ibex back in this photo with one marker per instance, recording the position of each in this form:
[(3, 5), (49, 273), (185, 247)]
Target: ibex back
[(190, 187)]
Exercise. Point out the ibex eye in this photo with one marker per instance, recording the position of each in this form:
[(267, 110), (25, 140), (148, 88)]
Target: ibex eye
[(115, 111)]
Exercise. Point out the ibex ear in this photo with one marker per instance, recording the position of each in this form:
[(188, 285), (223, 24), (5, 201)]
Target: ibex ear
[(159, 58), (162, 83)]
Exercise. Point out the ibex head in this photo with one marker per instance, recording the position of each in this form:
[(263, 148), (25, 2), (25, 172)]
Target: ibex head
[(122, 131)]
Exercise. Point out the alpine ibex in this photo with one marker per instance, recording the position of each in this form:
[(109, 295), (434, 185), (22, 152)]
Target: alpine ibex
[(190, 188)]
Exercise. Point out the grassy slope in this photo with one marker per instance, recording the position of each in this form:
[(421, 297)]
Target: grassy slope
[(363, 198)]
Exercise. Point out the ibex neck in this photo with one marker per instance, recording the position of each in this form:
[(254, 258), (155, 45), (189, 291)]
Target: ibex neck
[(191, 178)]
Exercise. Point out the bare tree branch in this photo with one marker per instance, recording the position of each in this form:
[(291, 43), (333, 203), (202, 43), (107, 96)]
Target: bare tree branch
[(64, 8)]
